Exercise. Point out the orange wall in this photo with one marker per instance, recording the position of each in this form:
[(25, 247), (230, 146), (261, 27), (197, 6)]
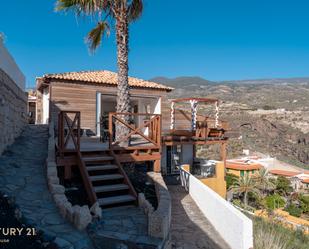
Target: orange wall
[(216, 183)]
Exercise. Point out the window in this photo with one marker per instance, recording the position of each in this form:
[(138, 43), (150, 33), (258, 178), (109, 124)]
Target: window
[(242, 173)]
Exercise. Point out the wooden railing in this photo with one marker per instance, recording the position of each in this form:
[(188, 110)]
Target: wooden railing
[(147, 134), (69, 129), (208, 128)]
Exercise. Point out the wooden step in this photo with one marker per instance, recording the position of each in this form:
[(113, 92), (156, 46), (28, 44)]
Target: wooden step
[(102, 167), (110, 188), (106, 177), (115, 200), (97, 158)]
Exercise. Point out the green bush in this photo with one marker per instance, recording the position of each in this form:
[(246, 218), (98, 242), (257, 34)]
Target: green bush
[(293, 210), (304, 203), (283, 185), (274, 201)]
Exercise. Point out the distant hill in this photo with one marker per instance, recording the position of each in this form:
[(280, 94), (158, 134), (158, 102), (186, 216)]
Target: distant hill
[(186, 81), (183, 81)]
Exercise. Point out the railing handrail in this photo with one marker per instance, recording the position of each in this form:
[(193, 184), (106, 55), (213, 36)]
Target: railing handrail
[(63, 117), (154, 125), (63, 121), (134, 114)]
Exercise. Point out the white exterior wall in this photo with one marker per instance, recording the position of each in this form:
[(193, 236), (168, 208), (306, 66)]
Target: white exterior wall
[(9, 66), (45, 100), (233, 226)]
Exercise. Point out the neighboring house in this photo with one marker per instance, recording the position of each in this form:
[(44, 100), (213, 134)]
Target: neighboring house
[(240, 167), (299, 180), (31, 107)]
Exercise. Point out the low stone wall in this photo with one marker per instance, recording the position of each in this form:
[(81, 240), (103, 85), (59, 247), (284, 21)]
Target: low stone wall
[(159, 220), (13, 110), (79, 216)]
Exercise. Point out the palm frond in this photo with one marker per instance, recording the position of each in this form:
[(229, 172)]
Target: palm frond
[(135, 9), (87, 7), (95, 36)]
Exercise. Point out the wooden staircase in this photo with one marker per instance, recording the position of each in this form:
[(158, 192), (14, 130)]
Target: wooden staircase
[(108, 180)]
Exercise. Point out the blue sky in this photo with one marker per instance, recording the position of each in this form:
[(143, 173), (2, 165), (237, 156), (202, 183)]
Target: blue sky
[(217, 40)]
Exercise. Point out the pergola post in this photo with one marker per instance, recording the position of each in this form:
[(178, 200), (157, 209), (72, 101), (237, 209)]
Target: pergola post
[(193, 104), (172, 115), (217, 114)]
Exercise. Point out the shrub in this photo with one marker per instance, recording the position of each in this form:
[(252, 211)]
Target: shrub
[(274, 201), (304, 203), (293, 210), (283, 185)]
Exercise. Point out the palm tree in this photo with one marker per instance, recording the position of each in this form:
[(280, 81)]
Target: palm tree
[(244, 185), (262, 181), (120, 13)]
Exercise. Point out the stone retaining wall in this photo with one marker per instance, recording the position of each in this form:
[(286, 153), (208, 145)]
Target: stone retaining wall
[(159, 220), (13, 110), (79, 216)]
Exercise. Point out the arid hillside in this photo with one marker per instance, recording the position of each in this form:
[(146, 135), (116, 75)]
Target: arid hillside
[(268, 116)]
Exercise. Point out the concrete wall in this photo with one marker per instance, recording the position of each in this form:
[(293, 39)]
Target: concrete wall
[(233, 226), (8, 65), (13, 99)]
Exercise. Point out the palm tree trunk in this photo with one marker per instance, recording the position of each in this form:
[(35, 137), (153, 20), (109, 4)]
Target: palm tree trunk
[(123, 94), (246, 199)]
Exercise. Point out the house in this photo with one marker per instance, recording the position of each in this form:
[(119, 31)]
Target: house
[(299, 180), (31, 106), (82, 108), (241, 167), (93, 93)]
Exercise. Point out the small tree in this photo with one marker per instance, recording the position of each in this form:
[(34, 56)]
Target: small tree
[(283, 186), (274, 201), (243, 186), (263, 182)]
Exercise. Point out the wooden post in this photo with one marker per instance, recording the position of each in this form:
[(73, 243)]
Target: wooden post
[(223, 153), (68, 172), (157, 166)]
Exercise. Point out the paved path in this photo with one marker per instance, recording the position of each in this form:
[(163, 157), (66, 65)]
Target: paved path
[(122, 227), (22, 175), (189, 227)]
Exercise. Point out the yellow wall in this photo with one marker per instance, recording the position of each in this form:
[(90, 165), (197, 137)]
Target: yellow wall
[(237, 172), (217, 183), (288, 220)]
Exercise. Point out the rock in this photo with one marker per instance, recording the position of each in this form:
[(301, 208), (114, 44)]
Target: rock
[(59, 199), (56, 189), (64, 208), (51, 171), (96, 211), (82, 217), (51, 165), (17, 214), (63, 244), (53, 180)]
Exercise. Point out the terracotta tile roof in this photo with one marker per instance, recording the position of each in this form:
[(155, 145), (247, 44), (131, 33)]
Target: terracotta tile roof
[(237, 165), (306, 180), (283, 172), (103, 77)]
